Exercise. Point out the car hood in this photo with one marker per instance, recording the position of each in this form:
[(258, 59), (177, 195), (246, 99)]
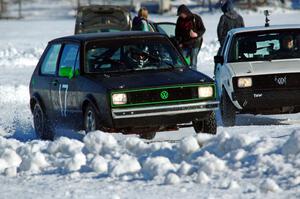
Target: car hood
[(91, 19), (147, 79), (267, 67)]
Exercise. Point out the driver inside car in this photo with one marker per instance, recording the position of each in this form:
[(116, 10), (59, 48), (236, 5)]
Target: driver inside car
[(297, 45), (287, 47), (138, 57)]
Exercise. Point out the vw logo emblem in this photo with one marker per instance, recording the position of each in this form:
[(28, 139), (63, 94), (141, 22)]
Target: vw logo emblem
[(164, 95), (280, 80)]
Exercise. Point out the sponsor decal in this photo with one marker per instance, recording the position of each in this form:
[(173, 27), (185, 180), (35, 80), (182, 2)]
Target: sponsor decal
[(280, 80), (259, 95)]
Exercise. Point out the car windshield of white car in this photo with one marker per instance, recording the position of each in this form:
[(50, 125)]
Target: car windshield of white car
[(131, 55), (265, 46)]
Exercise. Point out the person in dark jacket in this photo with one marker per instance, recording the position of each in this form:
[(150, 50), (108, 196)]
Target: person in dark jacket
[(140, 22), (229, 20), (189, 34)]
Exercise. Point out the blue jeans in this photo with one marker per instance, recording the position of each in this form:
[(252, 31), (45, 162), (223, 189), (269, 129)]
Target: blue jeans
[(193, 54)]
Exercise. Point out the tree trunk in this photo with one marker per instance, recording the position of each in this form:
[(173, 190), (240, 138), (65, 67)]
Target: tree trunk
[(78, 4), (1, 8), (20, 9)]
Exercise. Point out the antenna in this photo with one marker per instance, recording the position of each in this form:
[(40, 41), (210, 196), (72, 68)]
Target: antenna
[(267, 13)]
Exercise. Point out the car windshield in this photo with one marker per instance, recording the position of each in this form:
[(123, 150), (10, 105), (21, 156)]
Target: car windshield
[(131, 55), (265, 46)]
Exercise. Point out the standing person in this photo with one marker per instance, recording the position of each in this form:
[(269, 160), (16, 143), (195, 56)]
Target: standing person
[(189, 32), (140, 22), (229, 20)]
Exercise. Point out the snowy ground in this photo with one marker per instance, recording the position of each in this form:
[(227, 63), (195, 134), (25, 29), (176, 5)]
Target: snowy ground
[(260, 157)]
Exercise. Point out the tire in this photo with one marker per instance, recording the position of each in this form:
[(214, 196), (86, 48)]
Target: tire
[(208, 125), (91, 120), (148, 135), (42, 126), (228, 111)]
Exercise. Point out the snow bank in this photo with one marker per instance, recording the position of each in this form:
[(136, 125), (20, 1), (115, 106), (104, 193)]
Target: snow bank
[(224, 159)]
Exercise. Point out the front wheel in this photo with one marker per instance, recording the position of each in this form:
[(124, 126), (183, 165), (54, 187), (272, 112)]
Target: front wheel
[(208, 125), (228, 111), (91, 121), (41, 124)]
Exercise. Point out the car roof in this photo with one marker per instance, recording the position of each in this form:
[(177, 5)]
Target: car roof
[(263, 28), (106, 35)]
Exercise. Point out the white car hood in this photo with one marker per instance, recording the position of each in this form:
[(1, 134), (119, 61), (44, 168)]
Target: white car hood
[(265, 67)]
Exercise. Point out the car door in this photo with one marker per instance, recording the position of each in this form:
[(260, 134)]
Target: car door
[(63, 87), (47, 71), (167, 28)]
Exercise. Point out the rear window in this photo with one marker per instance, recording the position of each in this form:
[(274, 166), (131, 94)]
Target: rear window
[(50, 61), (261, 46)]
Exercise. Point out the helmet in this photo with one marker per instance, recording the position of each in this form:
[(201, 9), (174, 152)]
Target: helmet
[(139, 55)]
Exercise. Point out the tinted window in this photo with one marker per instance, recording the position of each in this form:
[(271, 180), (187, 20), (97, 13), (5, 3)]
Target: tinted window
[(50, 60), (69, 56), (132, 54), (261, 46)]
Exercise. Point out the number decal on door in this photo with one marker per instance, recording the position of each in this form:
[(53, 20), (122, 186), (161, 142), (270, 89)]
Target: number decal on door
[(63, 106)]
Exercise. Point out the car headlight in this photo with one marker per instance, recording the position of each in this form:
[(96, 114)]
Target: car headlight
[(245, 82), (205, 91), (119, 98)]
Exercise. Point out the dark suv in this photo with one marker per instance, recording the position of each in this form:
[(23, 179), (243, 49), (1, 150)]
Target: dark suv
[(129, 82)]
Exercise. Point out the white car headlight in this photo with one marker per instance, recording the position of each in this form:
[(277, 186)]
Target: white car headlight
[(245, 82), (205, 91), (119, 98)]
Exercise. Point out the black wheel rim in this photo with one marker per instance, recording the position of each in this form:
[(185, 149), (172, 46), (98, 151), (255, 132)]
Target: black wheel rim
[(90, 121)]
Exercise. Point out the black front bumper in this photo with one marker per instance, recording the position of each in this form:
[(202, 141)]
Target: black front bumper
[(260, 100), (162, 115)]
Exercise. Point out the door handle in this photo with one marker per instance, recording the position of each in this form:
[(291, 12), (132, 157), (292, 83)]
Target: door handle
[(55, 82)]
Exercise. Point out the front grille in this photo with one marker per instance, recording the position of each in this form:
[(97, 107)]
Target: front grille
[(274, 81), (162, 95), (155, 95)]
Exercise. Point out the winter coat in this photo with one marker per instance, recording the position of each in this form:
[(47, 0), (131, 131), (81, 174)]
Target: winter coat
[(184, 27), (140, 24), (228, 21)]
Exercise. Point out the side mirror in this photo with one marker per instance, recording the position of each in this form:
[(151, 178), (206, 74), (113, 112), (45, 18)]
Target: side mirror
[(219, 59), (66, 72)]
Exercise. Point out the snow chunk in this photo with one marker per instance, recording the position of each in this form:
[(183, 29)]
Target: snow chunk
[(66, 146), (189, 145), (292, 145), (99, 165), (157, 166), (10, 172), (33, 162), (185, 169), (210, 164), (126, 165), (202, 178), (67, 153), (136, 145), (270, 185), (9, 158), (172, 179), (76, 162), (233, 185), (228, 144), (98, 142)]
